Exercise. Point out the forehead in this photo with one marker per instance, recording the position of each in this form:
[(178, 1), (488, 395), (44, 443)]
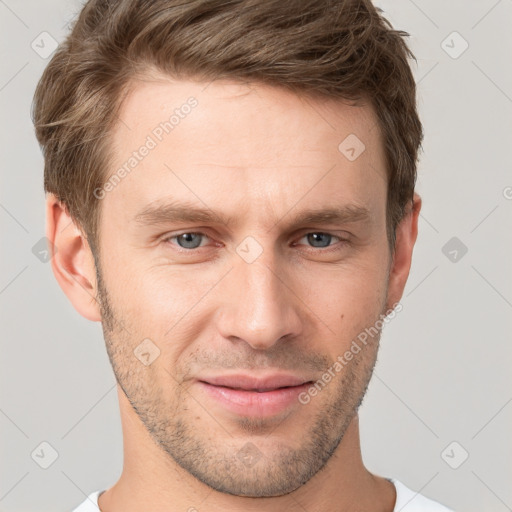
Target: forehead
[(242, 148)]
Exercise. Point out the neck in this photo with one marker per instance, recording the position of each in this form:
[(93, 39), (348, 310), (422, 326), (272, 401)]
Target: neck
[(151, 480)]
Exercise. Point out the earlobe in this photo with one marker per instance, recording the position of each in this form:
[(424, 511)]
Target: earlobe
[(406, 235), (72, 259)]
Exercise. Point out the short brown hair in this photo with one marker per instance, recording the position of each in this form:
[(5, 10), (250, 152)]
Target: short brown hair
[(341, 49)]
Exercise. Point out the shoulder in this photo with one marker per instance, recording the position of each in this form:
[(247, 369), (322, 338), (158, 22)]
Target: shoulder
[(90, 504), (408, 500)]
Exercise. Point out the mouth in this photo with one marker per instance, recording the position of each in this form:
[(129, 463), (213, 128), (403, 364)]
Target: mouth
[(251, 396)]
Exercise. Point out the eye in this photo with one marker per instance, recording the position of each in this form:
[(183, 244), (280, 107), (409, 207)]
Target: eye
[(187, 240), (321, 240), (193, 240)]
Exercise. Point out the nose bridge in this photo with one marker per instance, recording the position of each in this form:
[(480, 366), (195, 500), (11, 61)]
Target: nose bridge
[(261, 308)]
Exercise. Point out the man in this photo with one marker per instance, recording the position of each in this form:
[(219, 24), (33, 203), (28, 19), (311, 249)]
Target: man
[(231, 193)]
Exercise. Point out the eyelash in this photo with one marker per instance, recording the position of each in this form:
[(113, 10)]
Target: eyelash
[(342, 242)]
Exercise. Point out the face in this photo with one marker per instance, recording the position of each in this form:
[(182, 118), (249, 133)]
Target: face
[(220, 323)]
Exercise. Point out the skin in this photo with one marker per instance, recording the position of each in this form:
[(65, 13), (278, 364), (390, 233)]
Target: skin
[(261, 155)]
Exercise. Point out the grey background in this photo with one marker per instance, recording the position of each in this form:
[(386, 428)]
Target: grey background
[(443, 373)]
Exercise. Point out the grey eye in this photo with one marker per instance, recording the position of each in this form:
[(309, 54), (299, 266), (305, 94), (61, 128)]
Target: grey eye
[(319, 239), (189, 240)]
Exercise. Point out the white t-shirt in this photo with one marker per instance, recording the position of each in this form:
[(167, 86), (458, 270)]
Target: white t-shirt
[(406, 501)]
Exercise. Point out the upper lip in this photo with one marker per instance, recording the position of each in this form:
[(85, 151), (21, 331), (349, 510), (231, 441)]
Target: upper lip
[(253, 383)]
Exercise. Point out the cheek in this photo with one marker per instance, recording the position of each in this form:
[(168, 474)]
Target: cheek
[(347, 299), (162, 302)]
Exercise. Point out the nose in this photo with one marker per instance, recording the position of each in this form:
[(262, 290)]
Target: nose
[(259, 307)]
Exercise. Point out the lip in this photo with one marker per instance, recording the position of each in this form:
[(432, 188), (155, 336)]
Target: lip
[(251, 396)]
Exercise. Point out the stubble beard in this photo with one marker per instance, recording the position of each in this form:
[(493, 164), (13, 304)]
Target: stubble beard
[(217, 462)]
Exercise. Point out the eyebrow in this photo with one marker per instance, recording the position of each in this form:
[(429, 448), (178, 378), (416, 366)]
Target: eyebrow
[(181, 212)]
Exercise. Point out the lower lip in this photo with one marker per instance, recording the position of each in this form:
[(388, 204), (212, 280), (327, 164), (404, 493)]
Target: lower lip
[(253, 403)]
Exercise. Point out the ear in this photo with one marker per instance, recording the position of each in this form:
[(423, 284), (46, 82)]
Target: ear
[(71, 259), (406, 234)]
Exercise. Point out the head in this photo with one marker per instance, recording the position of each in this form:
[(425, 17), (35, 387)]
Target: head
[(231, 190)]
